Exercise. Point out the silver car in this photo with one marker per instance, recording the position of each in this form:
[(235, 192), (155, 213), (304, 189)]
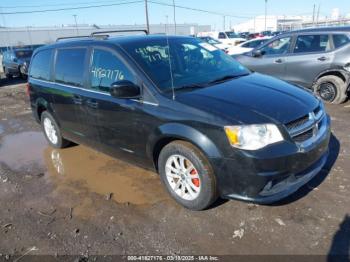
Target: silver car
[(317, 58)]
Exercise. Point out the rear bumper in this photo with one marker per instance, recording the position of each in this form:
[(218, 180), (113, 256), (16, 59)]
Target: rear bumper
[(273, 173)]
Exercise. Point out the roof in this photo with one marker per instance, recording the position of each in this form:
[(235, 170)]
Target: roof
[(324, 29), (117, 40)]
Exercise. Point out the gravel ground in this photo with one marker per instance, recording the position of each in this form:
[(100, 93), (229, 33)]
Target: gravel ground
[(80, 202)]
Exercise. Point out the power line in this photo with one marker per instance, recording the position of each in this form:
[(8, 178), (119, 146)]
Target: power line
[(70, 8), (198, 10), (63, 4)]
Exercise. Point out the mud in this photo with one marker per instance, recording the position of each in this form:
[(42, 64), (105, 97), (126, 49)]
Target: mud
[(79, 201)]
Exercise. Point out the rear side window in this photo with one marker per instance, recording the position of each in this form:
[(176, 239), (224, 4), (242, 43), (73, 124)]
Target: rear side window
[(69, 68), (40, 65), (340, 40), (312, 43), (106, 68)]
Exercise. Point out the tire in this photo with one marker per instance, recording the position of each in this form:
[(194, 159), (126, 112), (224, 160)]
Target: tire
[(59, 141), (205, 185), (331, 89), (22, 74)]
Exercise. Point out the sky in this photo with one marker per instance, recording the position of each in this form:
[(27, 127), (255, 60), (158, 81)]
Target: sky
[(238, 10)]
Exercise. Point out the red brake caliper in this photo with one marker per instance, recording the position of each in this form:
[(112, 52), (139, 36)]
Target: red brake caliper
[(195, 181)]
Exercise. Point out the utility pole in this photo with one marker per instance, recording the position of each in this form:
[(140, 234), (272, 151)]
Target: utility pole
[(76, 24), (147, 20), (174, 7), (313, 15), (224, 24), (318, 13), (265, 15)]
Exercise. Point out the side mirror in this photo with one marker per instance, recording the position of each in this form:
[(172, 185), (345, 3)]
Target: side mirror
[(257, 53), (125, 89), (15, 60)]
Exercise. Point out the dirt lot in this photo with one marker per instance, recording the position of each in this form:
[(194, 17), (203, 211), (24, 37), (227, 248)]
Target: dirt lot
[(78, 201)]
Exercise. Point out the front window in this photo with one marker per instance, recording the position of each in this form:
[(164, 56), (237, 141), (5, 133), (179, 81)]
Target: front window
[(277, 47), (191, 62), (24, 53), (106, 68)]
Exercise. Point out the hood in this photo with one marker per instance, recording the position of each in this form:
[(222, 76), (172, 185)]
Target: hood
[(252, 99)]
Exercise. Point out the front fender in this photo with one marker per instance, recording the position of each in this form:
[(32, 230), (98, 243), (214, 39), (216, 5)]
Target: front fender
[(183, 132)]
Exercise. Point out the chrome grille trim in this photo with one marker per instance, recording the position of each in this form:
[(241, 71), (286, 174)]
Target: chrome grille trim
[(301, 127)]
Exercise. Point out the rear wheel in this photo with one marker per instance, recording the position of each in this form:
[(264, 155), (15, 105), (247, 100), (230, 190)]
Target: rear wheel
[(331, 89), (52, 131), (187, 175)]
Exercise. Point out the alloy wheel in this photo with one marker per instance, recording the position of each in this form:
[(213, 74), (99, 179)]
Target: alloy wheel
[(50, 131), (183, 177)]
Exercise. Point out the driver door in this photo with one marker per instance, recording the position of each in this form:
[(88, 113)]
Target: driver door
[(272, 61)]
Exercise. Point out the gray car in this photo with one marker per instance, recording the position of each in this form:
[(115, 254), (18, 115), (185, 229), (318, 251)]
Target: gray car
[(16, 62), (317, 58)]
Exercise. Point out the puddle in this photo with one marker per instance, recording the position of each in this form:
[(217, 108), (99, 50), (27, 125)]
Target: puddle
[(23, 150), (81, 169), (104, 175)]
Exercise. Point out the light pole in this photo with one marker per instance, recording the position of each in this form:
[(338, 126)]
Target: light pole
[(76, 24), (147, 20), (174, 7), (265, 15)]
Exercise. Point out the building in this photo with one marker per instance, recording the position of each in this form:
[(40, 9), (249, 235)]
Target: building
[(25, 36), (273, 23)]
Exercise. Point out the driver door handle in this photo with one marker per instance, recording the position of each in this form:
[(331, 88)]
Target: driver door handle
[(279, 61)]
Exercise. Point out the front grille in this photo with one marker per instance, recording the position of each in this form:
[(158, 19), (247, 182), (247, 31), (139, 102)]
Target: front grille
[(304, 128), (303, 136), (297, 123)]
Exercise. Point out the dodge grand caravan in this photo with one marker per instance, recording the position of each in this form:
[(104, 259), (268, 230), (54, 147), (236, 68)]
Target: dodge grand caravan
[(205, 123)]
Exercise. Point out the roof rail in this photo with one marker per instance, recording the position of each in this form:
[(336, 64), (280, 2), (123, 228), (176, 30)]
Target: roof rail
[(71, 37), (118, 31)]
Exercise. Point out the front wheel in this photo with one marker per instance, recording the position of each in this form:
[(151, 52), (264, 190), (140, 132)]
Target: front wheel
[(331, 89), (187, 175), (52, 131)]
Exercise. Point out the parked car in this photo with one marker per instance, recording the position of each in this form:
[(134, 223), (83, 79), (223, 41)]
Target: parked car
[(216, 43), (229, 38), (205, 123), (247, 46), (318, 59), (16, 62)]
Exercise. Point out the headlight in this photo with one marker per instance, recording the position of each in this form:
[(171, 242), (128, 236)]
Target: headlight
[(253, 137)]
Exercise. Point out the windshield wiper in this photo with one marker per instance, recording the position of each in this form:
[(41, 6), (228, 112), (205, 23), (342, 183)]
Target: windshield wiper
[(225, 78), (191, 86)]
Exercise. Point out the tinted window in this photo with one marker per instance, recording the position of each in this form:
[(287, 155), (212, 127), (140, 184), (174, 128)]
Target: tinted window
[(24, 53), (222, 36), (69, 68), (106, 69), (191, 62), (40, 65), (340, 40), (312, 43), (278, 47)]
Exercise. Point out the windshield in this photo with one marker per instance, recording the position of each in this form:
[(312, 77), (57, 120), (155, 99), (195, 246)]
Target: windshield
[(193, 62), (24, 53), (232, 35)]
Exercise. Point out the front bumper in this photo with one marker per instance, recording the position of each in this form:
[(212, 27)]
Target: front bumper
[(273, 173)]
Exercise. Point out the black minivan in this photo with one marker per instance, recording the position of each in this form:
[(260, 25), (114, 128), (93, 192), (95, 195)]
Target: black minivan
[(180, 106)]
